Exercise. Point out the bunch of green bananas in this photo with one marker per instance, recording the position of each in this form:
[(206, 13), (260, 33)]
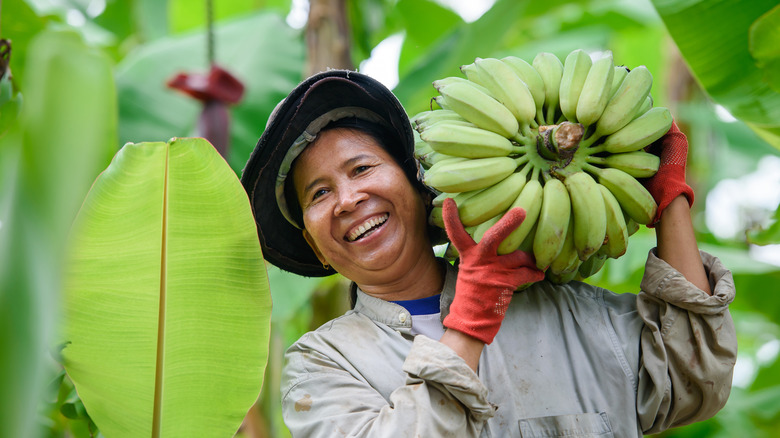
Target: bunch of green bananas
[(563, 140)]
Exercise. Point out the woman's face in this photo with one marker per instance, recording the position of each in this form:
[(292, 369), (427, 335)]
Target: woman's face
[(360, 212)]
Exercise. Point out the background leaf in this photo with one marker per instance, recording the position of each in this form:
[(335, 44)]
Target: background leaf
[(62, 138), (166, 298), (269, 62), (713, 37)]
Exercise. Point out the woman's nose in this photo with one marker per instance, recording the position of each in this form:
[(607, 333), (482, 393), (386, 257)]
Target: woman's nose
[(348, 199)]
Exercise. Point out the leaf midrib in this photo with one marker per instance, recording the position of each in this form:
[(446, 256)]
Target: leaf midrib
[(158, 376)]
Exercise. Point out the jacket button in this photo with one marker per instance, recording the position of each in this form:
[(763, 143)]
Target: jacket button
[(402, 317)]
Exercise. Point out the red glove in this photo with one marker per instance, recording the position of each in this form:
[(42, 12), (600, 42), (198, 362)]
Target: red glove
[(486, 280), (669, 182)]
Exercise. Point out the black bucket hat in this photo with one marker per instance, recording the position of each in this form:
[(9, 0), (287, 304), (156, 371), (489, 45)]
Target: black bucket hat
[(295, 122)]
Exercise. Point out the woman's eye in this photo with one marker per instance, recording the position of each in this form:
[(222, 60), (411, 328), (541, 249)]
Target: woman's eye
[(317, 193), (361, 169)]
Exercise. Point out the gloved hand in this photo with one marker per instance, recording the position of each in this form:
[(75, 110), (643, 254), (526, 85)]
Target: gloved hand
[(486, 280), (669, 182)]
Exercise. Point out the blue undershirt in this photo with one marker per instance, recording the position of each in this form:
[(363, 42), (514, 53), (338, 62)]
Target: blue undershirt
[(422, 306), (426, 318)]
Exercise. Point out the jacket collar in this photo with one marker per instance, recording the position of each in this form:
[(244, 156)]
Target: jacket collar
[(394, 315)]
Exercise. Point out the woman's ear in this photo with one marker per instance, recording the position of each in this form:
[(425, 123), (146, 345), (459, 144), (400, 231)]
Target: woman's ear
[(313, 246)]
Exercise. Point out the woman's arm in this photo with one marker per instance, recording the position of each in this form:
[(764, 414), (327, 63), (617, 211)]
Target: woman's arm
[(465, 346), (677, 243)]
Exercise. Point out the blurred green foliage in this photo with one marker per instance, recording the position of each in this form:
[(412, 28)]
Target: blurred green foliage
[(149, 40)]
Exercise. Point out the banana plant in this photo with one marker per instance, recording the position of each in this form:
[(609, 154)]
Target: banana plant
[(731, 47), (58, 129), (166, 299)]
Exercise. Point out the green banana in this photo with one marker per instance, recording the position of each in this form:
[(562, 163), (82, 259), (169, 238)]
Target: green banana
[(426, 125), (459, 198), (616, 242), (527, 245), (564, 277), (620, 73), (453, 79), (472, 74), (575, 70), (639, 133), (431, 159), (588, 213), (626, 102), (466, 141), (596, 91), (437, 160), (531, 77), (567, 260), (638, 164), (469, 174), (480, 229), (507, 87), (492, 200), (421, 149), (436, 217), (428, 118), (634, 198), (592, 265), (530, 199), (553, 222), (631, 224), (479, 108), (646, 105), (550, 69), (441, 102)]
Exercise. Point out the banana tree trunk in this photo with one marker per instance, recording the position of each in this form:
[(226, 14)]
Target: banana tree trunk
[(328, 39)]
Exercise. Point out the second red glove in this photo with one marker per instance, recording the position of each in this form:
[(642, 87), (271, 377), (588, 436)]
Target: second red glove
[(486, 280), (669, 182)]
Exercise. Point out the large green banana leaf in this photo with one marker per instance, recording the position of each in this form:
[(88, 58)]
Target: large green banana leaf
[(731, 47), (167, 307)]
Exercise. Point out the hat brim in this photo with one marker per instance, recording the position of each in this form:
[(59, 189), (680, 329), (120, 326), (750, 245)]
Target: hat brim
[(282, 243)]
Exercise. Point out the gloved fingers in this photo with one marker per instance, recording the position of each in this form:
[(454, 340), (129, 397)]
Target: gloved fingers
[(501, 229), (454, 228)]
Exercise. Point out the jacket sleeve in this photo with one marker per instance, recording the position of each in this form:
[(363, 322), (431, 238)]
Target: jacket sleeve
[(688, 345), (442, 397)]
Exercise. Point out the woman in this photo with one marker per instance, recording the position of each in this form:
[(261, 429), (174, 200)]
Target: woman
[(334, 187)]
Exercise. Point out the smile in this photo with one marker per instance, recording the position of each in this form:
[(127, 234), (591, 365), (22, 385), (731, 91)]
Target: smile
[(367, 228)]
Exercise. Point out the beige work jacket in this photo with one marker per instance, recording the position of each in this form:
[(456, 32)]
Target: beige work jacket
[(571, 360)]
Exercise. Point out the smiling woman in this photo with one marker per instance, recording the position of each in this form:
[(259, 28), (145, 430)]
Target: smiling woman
[(361, 214), (432, 349)]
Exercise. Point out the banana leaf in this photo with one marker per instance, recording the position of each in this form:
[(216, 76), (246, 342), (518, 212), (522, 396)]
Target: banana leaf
[(65, 133), (731, 49), (166, 306)]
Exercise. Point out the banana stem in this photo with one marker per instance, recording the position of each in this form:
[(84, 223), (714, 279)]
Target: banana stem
[(588, 141), (516, 150), (535, 175), (596, 150), (526, 169), (591, 168), (525, 129), (521, 160), (550, 115), (597, 160)]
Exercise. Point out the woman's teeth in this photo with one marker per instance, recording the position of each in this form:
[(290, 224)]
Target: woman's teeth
[(366, 228)]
